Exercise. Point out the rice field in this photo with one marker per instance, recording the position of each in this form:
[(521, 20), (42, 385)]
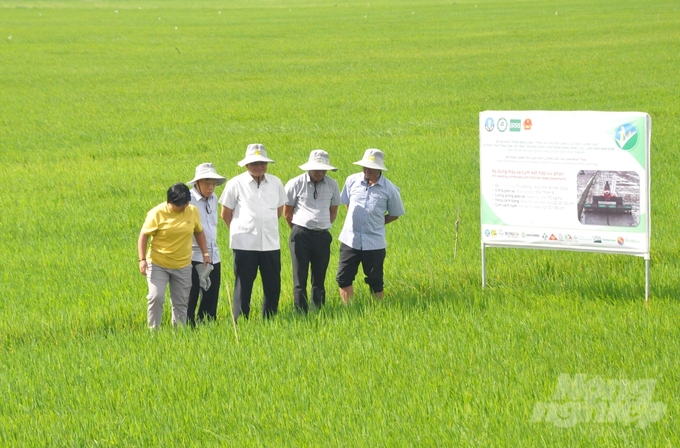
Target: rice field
[(105, 104)]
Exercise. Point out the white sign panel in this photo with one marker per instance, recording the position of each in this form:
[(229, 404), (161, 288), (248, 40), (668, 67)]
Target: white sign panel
[(566, 180)]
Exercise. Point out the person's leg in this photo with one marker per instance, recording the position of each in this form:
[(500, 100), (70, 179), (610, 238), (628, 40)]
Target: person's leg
[(157, 278), (270, 271), (245, 271), (193, 295), (348, 265), (180, 285), (373, 262), (320, 257), (208, 307), (300, 250)]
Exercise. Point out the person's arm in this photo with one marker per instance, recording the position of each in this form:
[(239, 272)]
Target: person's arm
[(334, 212), (200, 240), (141, 251), (279, 212), (395, 208), (288, 213), (226, 214)]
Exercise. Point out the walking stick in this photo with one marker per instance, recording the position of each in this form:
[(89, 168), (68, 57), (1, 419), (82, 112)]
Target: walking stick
[(455, 247), (231, 311)]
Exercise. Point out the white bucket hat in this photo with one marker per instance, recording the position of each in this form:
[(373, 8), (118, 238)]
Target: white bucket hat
[(318, 160), (207, 171), (255, 153), (374, 159)]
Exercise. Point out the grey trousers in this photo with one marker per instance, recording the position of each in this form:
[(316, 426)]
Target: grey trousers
[(158, 278)]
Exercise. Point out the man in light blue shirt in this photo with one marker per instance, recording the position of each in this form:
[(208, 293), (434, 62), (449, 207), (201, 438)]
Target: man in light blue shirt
[(311, 208), (373, 202), (203, 197)]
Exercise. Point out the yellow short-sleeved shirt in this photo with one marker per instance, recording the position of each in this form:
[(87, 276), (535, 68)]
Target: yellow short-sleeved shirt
[(171, 235)]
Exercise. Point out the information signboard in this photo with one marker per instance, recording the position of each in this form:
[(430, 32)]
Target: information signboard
[(566, 180), (575, 181)]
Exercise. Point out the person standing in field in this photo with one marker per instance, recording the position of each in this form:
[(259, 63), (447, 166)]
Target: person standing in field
[(203, 197), (310, 210), (171, 226), (252, 204), (373, 202)]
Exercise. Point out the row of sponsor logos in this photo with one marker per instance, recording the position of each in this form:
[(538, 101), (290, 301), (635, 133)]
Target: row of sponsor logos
[(513, 125), (626, 135), (558, 237)]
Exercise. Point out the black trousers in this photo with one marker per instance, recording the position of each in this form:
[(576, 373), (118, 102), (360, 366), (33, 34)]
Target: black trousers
[(246, 264), (208, 307), (309, 247), (372, 262)]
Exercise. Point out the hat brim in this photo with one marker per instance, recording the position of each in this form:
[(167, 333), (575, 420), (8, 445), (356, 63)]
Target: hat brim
[(251, 159), (220, 180), (317, 166), (371, 165)]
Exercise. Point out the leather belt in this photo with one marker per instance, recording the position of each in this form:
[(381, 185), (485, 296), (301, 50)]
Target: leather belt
[(314, 231)]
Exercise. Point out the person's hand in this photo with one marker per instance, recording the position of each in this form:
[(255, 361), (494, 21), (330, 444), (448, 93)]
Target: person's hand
[(143, 266), (206, 260)]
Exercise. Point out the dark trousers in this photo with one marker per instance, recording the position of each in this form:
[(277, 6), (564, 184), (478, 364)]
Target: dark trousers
[(372, 262), (246, 264), (208, 307), (309, 247)]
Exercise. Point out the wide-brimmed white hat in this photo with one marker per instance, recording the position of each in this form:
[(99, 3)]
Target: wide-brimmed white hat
[(207, 171), (318, 161), (255, 153), (373, 158)]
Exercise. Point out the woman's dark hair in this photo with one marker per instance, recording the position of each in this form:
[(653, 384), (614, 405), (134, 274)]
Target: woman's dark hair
[(179, 194)]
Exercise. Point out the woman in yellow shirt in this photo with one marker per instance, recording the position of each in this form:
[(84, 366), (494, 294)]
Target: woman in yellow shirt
[(170, 225)]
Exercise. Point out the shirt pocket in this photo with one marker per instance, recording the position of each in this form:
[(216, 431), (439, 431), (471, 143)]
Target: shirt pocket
[(270, 200), (304, 196), (377, 203)]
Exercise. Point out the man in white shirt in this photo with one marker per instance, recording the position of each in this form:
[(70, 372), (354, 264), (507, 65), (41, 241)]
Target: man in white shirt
[(203, 197), (311, 208), (252, 204)]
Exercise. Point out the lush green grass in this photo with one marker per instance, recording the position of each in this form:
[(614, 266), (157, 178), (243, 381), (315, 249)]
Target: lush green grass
[(100, 111)]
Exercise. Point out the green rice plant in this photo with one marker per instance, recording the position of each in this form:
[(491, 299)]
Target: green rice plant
[(105, 105)]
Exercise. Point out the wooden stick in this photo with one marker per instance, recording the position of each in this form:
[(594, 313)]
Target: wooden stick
[(455, 247), (231, 310)]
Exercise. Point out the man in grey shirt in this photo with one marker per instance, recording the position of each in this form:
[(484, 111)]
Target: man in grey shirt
[(203, 197), (310, 209)]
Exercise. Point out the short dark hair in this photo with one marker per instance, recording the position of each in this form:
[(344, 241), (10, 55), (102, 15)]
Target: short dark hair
[(179, 194)]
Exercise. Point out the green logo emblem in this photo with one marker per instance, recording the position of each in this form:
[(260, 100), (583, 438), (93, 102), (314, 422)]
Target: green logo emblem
[(626, 136)]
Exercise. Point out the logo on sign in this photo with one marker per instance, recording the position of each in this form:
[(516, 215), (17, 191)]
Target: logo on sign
[(488, 124), (527, 124), (502, 124), (515, 125), (626, 136)]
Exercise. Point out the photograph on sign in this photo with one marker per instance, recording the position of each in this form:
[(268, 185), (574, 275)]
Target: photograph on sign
[(608, 198)]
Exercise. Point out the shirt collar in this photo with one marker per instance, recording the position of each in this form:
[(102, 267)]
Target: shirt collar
[(170, 210), (378, 182), (250, 178), (196, 195), (309, 180)]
